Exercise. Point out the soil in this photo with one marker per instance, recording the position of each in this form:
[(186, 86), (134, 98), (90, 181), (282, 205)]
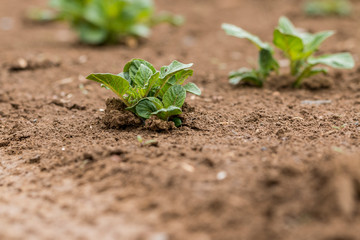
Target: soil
[(249, 163)]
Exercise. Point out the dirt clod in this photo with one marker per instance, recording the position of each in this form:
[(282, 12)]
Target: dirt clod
[(156, 124), (116, 116)]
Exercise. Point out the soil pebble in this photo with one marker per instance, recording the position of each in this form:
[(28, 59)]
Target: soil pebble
[(35, 159)]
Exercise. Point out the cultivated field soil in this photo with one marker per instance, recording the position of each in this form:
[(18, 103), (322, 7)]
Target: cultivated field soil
[(248, 163)]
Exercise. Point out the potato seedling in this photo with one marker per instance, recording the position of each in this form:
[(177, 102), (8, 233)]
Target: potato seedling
[(106, 21), (146, 91), (299, 47), (328, 7)]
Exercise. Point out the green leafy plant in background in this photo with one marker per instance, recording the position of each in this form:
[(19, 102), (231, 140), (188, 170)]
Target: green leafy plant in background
[(146, 91), (327, 7), (299, 47), (266, 60), (106, 21)]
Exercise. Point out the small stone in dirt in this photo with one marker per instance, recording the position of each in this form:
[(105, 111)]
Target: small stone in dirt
[(156, 124), (187, 167), (315, 102), (116, 116), (221, 175), (159, 236), (35, 159)]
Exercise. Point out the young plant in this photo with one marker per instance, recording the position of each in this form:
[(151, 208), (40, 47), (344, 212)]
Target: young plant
[(328, 7), (106, 21), (146, 91), (299, 48), (266, 60)]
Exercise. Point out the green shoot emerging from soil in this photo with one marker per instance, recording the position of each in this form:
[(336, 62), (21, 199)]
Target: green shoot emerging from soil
[(298, 47), (106, 21), (328, 7), (146, 91), (266, 61)]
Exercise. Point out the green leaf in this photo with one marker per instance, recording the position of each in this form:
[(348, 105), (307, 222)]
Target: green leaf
[(151, 83), (116, 83), (181, 76), (291, 45), (245, 75), (235, 31), (192, 88), (339, 60), (177, 79), (167, 74), (313, 41), (133, 66), (91, 34), (267, 62), (173, 68), (95, 14), (140, 30), (177, 122), (165, 113), (158, 104), (286, 27), (175, 96), (145, 108), (142, 76)]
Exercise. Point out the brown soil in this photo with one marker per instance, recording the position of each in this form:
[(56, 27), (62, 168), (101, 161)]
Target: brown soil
[(247, 164)]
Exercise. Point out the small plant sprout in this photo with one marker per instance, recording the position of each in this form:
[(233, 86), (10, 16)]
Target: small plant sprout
[(146, 91), (328, 7), (143, 143), (266, 60), (105, 21), (299, 47)]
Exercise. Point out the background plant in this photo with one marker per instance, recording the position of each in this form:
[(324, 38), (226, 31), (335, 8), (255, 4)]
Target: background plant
[(106, 21), (328, 7), (146, 91), (299, 47)]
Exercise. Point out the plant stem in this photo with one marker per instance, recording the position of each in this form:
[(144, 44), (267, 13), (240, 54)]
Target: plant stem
[(303, 74)]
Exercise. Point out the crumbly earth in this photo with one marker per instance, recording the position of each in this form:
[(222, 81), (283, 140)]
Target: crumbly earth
[(248, 163)]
